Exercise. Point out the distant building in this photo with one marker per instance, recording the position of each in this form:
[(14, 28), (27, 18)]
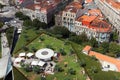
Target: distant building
[(88, 20), (93, 27), (111, 9), (58, 19), (69, 15), (108, 63), (43, 10)]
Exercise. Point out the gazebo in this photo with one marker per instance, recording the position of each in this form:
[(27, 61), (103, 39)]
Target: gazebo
[(44, 54)]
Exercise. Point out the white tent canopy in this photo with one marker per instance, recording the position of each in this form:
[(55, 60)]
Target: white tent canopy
[(18, 60), (22, 54), (55, 55), (29, 54), (41, 63), (34, 63)]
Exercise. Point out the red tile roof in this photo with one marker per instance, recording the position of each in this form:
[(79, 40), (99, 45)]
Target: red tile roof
[(89, 1), (94, 23), (113, 3), (44, 5), (87, 48), (106, 58), (73, 7)]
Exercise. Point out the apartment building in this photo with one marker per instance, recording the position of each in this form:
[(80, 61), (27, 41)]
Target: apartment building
[(43, 10), (111, 9), (93, 27), (69, 14), (90, 21)]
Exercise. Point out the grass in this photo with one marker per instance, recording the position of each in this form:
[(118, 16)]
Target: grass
[(26, 37), (90, 63), (18, 75), (9, 34), (65, 75), (56, 44)]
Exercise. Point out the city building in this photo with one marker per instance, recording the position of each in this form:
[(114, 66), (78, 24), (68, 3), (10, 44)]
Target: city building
[(92, 26), (88, 20), (43, 10), (108, 63), (111, 10), (69, 15)]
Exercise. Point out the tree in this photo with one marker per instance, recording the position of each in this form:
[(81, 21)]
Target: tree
[(83, 37), (42, 38), (60, 69), (72, 51), (48, 46), (71, 71), (21, 16), (1, 24), (56, 68), (76, 39), (61, 31), (18, 14), (43, 25), (34, 49), (1, 7), (62, 52), (93, 42), (82, 63), (37, 69), (25, 48), (27, 23), (105, 47), (94, 69), (27, 68), (114, 48), (36, 23), (114, 36)]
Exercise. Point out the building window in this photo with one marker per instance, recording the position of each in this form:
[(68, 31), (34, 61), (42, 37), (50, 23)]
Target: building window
[(66, 14), (108, 66), (64, 18)]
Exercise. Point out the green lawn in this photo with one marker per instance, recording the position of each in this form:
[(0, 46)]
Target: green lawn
[(71, 64), (9, 34), (56, 44), (25, 38), (18, 75)]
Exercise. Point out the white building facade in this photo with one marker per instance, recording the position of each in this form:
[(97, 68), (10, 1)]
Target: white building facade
[(111, 12)]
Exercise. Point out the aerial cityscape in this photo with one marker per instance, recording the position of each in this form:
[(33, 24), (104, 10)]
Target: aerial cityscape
[(60, 40)]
